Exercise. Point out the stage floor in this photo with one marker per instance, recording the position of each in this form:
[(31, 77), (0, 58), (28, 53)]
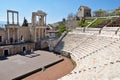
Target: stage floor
[(17, 65)]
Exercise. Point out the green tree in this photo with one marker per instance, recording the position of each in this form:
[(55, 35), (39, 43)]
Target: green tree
[(25, 22), (81, 22), (117, 11), (99, 13), (64, 20), (61, 29)]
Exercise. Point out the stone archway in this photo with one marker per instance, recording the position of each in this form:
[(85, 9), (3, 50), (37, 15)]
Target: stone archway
[(46, 45)]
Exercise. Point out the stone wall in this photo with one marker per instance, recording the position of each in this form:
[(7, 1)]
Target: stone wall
[(25, 33), (2, 34), (15, 49)]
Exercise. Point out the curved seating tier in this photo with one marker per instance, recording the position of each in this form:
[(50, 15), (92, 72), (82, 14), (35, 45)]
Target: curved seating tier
[(114, 23), (97, 57)]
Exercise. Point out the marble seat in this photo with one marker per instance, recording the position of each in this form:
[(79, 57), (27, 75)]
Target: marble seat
[(96, 56)]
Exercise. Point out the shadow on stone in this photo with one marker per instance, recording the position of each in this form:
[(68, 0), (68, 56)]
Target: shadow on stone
[(3, 58)]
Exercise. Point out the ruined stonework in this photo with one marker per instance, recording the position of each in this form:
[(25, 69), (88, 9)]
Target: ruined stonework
[(19, 39), (84, 11), (39, 18)]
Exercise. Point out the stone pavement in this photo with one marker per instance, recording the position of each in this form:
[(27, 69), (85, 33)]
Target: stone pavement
[(18, 65)]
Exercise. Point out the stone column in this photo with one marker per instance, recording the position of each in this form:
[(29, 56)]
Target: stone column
[(42, 20), (12, 18), (7, 17), (8, 36), (45, 20), (18, 35), (35, 35), (33, 19), (45, 32), (17, 18), (39, 21), (42, 32), (39, 33), (13, 34)]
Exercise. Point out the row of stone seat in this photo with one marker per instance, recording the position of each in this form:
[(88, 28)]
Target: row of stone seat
[(93, 57), (104, 31), (115, 22), (71, 41)]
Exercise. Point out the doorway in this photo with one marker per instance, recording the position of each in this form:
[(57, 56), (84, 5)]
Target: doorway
[(24, 49), (5, 53)]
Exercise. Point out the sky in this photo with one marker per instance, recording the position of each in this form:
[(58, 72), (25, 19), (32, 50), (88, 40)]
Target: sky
[(56, 9)]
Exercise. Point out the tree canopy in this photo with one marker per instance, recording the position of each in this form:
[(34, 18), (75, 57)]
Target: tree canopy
[(99, 13), (117, 11), (25, 22), (64, 20), (61, 29)]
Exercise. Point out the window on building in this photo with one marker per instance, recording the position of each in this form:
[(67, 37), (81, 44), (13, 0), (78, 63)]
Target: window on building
[(11, 40)]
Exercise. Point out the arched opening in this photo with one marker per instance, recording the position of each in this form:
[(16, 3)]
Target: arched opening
[(46, 46), (24, 49)]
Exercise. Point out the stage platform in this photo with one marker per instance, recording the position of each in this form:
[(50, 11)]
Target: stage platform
[(18, 66)]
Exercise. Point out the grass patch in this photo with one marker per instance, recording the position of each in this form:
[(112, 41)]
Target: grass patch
[(85, 23), (98, 21)]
